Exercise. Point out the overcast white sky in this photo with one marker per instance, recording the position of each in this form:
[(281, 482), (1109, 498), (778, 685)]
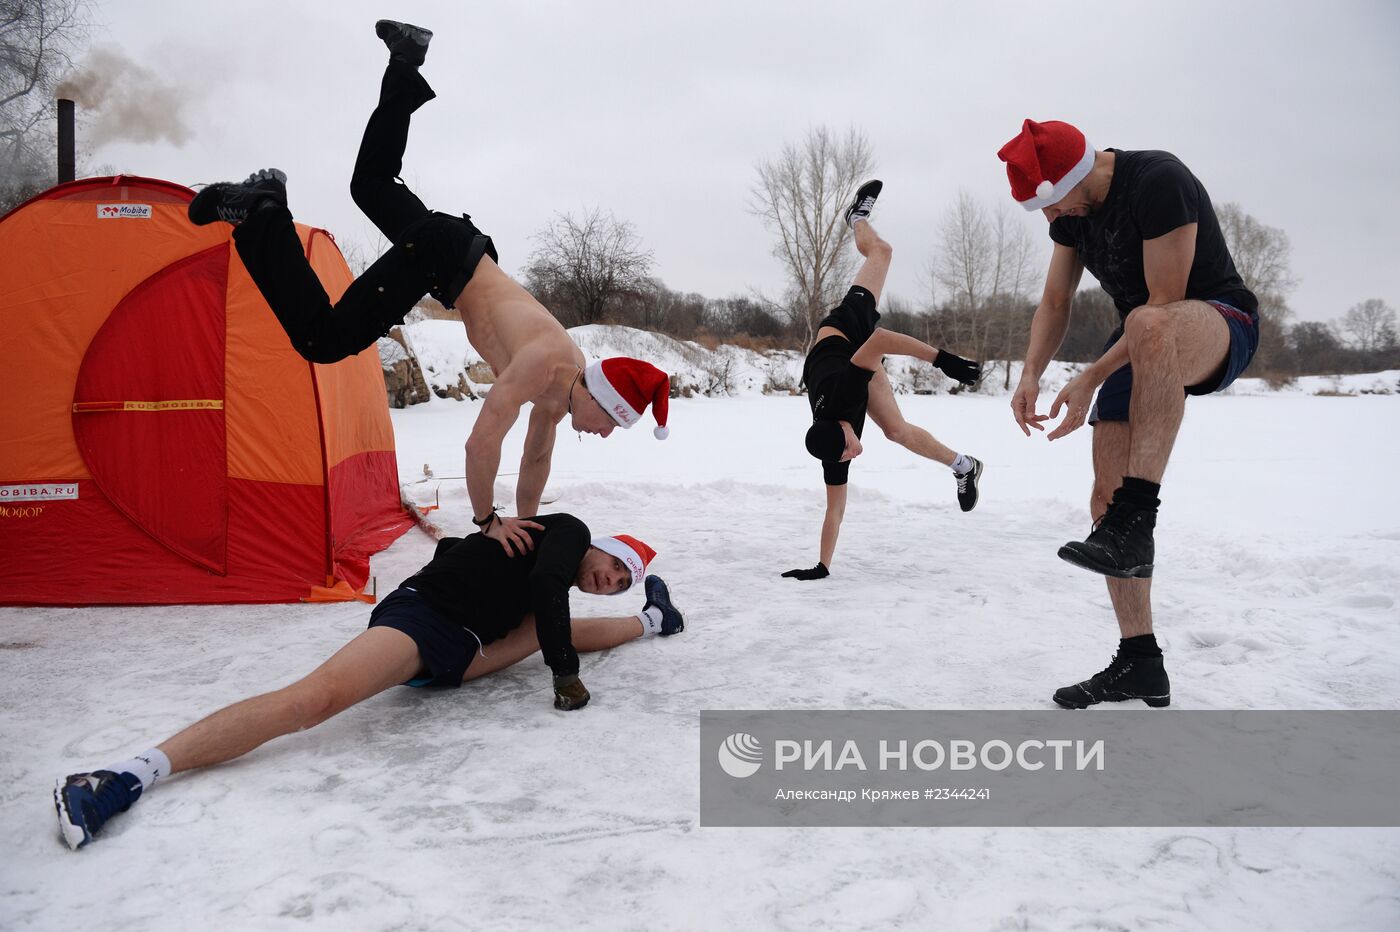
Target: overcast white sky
[(659, 112)]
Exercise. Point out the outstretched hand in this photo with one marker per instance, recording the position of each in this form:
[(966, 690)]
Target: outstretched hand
[(1075, 398), (511, 534), (817, 572), (965, 371), (1023, 407)]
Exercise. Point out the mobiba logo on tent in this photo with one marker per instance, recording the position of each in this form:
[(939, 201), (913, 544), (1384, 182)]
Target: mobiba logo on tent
[(24, 511), (123, 211)]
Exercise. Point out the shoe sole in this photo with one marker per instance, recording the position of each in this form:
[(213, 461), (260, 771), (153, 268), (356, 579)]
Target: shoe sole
[(73, 835), (1156, 702), (1070, 555)]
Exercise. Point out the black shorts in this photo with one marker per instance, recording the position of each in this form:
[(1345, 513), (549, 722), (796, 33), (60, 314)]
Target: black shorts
[(1116, 393), (446, 648), (855, 316)]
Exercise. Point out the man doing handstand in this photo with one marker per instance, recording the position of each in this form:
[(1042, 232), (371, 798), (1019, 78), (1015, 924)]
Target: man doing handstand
[(448, 257), (845, 378), (431, 631)]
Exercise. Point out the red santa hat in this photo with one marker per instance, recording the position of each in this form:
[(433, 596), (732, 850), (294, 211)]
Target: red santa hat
[(624, 387), (1044, 161), (629, 550)]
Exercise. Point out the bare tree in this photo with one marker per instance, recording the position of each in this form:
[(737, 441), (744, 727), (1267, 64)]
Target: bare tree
[(583, 266), (1263, 257), (38, 39), (983, 262), (1262, 254), (801, 196), (1371, 325)]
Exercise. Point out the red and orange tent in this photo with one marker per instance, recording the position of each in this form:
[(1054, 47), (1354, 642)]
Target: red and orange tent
[(160, 440)]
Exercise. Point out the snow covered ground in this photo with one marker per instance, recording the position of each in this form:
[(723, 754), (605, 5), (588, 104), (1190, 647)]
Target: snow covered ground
[(1277, 587)]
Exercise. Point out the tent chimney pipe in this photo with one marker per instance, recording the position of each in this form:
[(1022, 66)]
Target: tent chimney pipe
[(67, 154)]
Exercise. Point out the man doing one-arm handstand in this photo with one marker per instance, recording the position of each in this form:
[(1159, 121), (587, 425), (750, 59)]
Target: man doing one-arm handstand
[(448, 257), (431, 631), (845, 378)]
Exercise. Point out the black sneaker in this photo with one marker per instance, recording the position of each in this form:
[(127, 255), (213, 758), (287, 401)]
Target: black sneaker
[(407, 42), (233, 201), (1125, 678), (1120, 544), (967, 485), (85, 801), (864, 203), (672, 621)]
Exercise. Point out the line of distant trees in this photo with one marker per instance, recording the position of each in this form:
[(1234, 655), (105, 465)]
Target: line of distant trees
[(985, 275)]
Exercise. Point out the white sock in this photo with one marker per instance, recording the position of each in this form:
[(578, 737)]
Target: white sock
[(962, 464), (651, 621), (147, 767)]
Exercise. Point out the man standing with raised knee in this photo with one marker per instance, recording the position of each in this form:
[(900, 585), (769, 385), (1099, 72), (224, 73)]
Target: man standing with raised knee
[(446, 256), (1143, 225)]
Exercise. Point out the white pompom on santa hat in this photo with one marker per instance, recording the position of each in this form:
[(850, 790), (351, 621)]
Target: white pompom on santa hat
[(624, 387), (629, 550), (1045, 161)]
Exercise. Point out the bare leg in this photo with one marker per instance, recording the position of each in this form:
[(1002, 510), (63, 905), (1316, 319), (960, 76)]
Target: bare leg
[(371, 663), (885, 412), (877, 254), (1170, 347), (1132, 598), (589, 634)]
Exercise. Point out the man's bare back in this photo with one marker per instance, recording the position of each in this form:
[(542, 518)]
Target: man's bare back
[(503, 320)]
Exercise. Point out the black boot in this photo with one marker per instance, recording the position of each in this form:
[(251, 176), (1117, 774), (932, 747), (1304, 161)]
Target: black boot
[(233, 201), (407, 43), (1120, 544), (1127, 677)]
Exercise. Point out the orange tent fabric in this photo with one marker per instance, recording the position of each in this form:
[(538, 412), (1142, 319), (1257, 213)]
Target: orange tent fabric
[(160, 440)]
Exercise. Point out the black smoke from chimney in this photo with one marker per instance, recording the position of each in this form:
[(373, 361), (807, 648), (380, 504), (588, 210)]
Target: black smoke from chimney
[(67, 146)]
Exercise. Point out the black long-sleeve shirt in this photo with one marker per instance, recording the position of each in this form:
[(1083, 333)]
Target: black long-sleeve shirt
[(474, 583)]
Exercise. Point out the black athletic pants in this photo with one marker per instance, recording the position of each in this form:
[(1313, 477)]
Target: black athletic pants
[(431, 252)]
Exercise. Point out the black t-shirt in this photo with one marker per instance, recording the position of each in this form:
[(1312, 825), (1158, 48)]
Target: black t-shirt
[(474, 583), (837, 390), (1150, 195)]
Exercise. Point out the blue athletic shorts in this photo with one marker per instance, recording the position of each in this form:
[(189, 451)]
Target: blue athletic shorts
[(447, 649), (1117, 390)]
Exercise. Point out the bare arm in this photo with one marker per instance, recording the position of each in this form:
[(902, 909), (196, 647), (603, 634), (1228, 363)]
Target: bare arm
[(831, 524), (535, 462), (1051, 320), (498, 413), (1048, 328)]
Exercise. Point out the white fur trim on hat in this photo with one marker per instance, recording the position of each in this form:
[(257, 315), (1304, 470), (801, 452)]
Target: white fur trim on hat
[(612, 401), (616, 548), (1048, 193)]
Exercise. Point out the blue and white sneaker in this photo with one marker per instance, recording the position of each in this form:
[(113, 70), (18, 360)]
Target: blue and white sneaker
[(85, 801), (672, 621)]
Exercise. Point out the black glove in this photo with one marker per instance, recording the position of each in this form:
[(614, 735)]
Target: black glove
[(569, 693), (955, 367), (817, 572)]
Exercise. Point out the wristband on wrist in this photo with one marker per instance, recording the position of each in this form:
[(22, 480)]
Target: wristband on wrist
[(485, 522)]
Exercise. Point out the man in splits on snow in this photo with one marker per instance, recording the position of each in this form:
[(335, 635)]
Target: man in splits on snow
[(431, 631), (533, 357), (845, 378), (1144, 226)]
